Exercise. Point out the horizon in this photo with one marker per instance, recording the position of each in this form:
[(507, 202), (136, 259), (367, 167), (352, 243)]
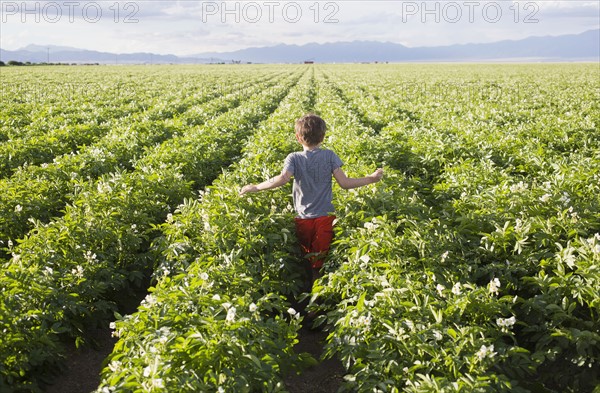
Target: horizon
[(188, 28), (66, 48)]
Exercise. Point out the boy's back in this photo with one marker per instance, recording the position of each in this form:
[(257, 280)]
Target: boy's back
[(312, 171)]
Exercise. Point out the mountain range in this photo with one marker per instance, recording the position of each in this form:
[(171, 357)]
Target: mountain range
[(573, 47)]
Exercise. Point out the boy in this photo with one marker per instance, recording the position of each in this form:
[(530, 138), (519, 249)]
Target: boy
[(312, 169)]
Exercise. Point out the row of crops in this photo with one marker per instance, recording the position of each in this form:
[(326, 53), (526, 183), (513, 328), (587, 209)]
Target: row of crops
[(40, 191), (473, 266), (476, 266), (70, 273)]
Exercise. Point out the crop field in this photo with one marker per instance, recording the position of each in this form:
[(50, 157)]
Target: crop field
[(473, 266)]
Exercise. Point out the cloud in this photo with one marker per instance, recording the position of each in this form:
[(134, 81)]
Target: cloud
[(186, 27), (568, 9)]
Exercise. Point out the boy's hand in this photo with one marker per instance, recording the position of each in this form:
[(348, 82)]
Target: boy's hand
[(249, 188), (377, 175)]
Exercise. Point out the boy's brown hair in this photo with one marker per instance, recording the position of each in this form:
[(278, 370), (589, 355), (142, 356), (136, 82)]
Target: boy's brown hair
[(310, 129)]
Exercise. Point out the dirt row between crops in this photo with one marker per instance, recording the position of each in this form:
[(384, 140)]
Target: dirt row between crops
[(83, 366), (326, 377)]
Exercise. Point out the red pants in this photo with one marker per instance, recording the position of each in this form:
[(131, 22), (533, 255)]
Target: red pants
[(314, 235)]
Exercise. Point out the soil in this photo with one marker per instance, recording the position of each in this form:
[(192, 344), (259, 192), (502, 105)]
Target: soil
[(83, 366), (325, 377)]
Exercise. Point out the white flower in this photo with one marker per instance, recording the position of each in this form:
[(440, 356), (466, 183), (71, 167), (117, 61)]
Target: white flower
[(158, 383), (226, 305), (518, 224), (437, 335), (90, 257), (78, 271), (114, 366), (204, 276), (365, 258), (444, 256), (104, 187), (18, 208), (147, 371), (113, 325), (364, 320), (485, 352), (506, 323), (574, 214), (520, 186), (456, 289), (216, 297), (494, 285), (252, 307), (163, 339), (545, 197), (165, 270), (440, 288), (570, 259), (370, 226), (230, 314), (164, 331), (291, 311), (149, 300)]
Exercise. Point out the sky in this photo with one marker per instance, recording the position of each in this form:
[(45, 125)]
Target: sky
[(191, 27)]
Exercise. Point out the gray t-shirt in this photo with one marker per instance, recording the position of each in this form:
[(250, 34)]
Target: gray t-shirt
[(312, 170)]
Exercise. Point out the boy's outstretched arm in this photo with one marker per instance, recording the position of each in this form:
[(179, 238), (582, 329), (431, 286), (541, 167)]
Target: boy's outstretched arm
[(273, 182), (347, 182)]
